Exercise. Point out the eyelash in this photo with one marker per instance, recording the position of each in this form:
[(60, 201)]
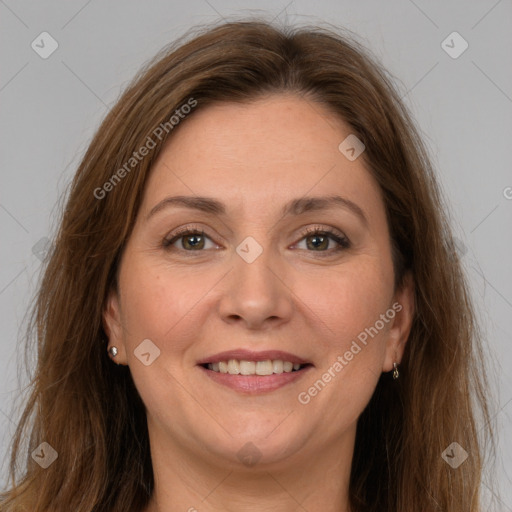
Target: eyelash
[(342, 241)]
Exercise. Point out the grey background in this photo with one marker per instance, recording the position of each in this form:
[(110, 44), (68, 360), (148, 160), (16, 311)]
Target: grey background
[(51, 107)]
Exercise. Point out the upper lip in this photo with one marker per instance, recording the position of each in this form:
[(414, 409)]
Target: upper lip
[(249, 355)]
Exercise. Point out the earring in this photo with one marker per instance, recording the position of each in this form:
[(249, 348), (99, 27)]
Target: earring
[(113, 351), (396, 373)]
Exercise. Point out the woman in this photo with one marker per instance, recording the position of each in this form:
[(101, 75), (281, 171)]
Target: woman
[(254, 301)]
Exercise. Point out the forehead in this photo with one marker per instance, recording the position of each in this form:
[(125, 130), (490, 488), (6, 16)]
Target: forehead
[(261, 153)]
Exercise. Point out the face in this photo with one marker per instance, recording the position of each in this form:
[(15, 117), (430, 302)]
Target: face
[(252, 277)]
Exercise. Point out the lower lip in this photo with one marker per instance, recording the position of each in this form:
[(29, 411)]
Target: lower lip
[(254, 384)]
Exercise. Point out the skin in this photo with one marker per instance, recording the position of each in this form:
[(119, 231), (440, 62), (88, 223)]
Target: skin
[(191, 304)]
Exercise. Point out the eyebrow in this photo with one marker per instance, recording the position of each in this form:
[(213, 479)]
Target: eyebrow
[(297, 206)]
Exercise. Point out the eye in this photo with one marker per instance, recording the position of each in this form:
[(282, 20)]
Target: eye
[(318, 240), (191, 240)]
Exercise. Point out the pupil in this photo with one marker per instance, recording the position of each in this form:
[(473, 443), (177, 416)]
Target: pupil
[(196, 240), (318, 241)]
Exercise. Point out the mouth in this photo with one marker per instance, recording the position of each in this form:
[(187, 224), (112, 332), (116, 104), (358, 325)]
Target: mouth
[(254, 372)]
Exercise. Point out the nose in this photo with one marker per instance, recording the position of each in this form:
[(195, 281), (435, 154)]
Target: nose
[(257, 294)]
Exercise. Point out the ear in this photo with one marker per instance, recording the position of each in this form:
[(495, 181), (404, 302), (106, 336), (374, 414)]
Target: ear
[(403, 306), (113, 327)]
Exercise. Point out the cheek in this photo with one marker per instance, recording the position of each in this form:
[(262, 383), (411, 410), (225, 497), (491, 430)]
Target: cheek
[(348, 300), (352, 339), (161, 304), (158, 304)]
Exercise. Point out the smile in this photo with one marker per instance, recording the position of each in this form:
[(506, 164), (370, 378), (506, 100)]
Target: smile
[(243, 377), (244, 367)]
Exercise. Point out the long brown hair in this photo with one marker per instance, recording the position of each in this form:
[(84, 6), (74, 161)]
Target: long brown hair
[(89, 410)]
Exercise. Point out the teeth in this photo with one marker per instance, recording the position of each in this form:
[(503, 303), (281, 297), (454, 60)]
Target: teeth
[(243, 367), (264, 367), (247, 367), (233, 367), (277, 366)]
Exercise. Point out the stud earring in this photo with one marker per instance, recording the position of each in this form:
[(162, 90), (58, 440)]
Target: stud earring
[(396, 373), (113, 351)]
